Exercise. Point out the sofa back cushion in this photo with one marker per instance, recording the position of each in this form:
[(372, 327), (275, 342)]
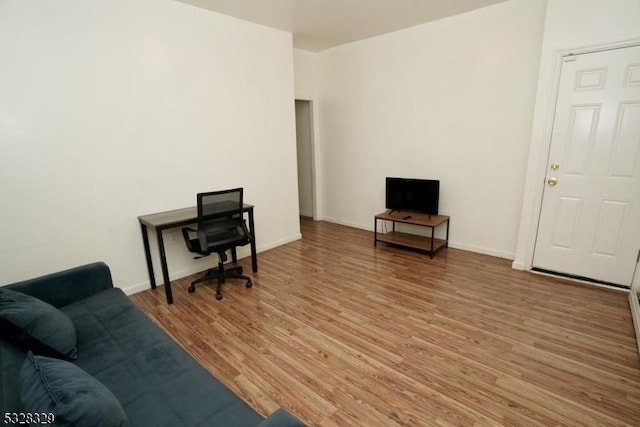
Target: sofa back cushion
[(60, 393), (11, 358), (35, 325)]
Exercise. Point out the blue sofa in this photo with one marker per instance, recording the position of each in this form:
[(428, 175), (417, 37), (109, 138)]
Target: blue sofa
[(156, 382)]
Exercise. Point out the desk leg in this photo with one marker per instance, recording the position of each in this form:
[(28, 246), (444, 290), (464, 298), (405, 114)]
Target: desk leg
[(147, 255), (254, 255), (165, 269)]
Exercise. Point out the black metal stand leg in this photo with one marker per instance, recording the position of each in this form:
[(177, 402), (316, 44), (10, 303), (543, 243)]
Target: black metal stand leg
[(254, 255), (375, 232), (147, 255), (433, 234), (165, 269), (234, 255), (446, 245)]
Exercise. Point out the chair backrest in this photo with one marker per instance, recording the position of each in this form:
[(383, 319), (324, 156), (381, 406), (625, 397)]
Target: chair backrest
[(219, 204), (219, 212)]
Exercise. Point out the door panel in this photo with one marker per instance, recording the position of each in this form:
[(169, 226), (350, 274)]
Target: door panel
[(581, 131), (625, 146), (609, 230), (568, 212), (590, 214)]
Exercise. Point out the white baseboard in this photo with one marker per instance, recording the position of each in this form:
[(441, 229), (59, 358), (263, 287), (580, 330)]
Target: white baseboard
[(482, 250), (173, 275), (243, 252), (518, 265), (349, 224), (276, 243)]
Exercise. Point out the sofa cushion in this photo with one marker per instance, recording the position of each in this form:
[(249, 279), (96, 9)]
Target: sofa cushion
[(35, 325), (11, 358), (75, 398), (281, 418), (156, 380)]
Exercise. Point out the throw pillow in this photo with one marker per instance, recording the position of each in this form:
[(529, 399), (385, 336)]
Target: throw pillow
[(35, 325), (75, 398)]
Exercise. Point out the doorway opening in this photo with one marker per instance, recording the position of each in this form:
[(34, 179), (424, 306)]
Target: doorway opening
[(306, 158)]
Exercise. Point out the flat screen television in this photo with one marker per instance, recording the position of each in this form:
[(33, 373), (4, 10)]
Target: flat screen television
[(416, 195)]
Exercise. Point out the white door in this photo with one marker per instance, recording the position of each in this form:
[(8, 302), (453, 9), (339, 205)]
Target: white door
[(590, 216)]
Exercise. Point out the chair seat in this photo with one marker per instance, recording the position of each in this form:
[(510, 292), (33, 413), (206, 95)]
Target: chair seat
[(224, 241)]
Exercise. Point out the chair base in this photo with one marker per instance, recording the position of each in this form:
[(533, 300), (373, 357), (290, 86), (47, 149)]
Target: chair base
[(221, 274)]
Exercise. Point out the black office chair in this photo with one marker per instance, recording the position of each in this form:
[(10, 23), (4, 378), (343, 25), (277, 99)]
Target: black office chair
[(221, 227)]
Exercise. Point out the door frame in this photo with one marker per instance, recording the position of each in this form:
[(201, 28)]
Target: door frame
[(634, 303), (313, 138), (539, 152)]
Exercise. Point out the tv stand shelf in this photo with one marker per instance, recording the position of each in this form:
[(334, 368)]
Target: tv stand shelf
[(425, 243)]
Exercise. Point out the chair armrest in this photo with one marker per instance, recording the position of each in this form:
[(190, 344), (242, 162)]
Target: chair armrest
[(245, 229), (187, 238), (281, 418), (68, 286)]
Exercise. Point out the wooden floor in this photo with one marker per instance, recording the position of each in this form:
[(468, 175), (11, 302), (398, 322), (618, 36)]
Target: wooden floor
[(344, 334)]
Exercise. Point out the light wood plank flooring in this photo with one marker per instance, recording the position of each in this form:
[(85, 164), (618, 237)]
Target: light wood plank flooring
[(344, 334)]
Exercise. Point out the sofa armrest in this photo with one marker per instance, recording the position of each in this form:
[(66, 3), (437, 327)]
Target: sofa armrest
[(281, 418), (68, 286)]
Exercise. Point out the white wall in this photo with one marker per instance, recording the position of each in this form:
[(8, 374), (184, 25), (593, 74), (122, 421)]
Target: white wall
[(115, 108), (569, 25), (449, 100), (306, 74)]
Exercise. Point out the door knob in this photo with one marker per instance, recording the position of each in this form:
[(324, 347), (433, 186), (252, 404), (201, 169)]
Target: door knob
[(552, 181)]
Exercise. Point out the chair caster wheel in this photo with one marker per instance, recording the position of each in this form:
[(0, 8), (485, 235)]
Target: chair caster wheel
[(191, 289), (218, 297), (249, 284)]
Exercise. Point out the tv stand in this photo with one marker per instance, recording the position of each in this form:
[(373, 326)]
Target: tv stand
[(425, 243)]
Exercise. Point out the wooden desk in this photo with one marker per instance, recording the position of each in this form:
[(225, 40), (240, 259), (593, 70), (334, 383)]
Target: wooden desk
[(178, 218)]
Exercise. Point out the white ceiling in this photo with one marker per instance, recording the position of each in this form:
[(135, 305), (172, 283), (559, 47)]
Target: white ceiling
[(320, 24)]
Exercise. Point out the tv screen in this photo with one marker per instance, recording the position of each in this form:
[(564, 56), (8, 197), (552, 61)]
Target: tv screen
[(416, 195)]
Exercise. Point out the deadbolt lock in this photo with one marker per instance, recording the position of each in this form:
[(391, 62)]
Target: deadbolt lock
[(555, 166), (552, 181)]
